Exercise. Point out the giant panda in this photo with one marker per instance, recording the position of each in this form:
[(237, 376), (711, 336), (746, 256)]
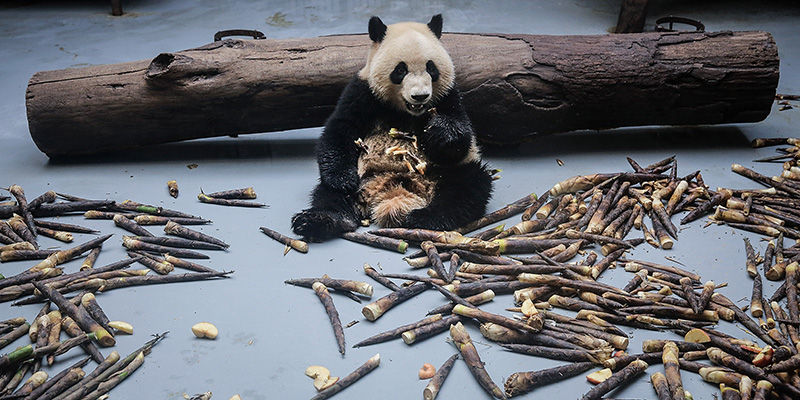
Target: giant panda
[(399, 148)]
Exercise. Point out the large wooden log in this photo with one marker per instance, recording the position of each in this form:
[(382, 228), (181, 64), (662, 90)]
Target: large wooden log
[(515, 87)]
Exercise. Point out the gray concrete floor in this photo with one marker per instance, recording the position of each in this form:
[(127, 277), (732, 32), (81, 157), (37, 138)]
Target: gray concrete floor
[(270, 332)]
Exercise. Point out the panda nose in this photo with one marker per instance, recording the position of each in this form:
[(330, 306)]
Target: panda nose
[(420, 97)]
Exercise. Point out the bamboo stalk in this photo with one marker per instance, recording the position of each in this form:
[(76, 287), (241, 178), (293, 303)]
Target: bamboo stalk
[(351, 378), (174, 228), (15, 334), (54, 332), (339, 284), (243, 193), (130, 226), (36, 380), (397, 332), (22, 203), (59, 382), (378, 307), (296, 244), (160, 220), (483, 316), (422, 332), (81, 316), (436, 261), (228, 202), (116, 283), (134, 244), (519, 383), (397, 245), (89, 302), (65, 237), (88, 385), (91, 258), (72, 329), (378, 277), (509, 210), (179, 242), (333, 315), (470, 355), (476, 299), (102, 366), (660, 385), (66, 255), (19, 226), (669, 358), (114, 380), (435, 384), (552, 353), (617, 379)]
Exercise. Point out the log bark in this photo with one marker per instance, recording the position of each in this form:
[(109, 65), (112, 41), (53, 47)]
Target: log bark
[(515, 87)]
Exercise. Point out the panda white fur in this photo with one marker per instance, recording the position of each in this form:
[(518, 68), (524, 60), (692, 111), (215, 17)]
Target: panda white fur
[(399, 148)]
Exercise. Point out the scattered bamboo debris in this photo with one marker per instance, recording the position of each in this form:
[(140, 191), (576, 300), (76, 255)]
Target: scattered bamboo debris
[(172, 188)]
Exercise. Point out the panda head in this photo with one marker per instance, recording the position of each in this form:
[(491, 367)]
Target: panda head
[(408, 68)]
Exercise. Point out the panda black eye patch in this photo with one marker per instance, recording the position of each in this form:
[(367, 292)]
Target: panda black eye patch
[(432, 70), (400, 72)]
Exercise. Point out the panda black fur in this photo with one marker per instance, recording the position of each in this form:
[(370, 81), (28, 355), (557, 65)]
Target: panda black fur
[(407, 84)]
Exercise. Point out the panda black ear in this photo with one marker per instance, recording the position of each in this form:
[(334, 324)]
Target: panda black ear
[(377, 29), (436, 25)]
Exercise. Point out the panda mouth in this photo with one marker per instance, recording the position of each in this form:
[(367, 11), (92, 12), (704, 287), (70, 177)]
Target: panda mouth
[(416, 108)]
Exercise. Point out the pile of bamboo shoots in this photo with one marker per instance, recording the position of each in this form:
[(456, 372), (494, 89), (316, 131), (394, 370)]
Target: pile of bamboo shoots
[(74, 288), (534, 261)]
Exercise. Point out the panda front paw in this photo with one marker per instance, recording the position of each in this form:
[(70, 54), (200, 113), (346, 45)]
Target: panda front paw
[(444, 141), (318, 225)]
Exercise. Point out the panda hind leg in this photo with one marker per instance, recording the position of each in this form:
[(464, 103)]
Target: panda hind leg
[(462, 193), (331, 214)]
